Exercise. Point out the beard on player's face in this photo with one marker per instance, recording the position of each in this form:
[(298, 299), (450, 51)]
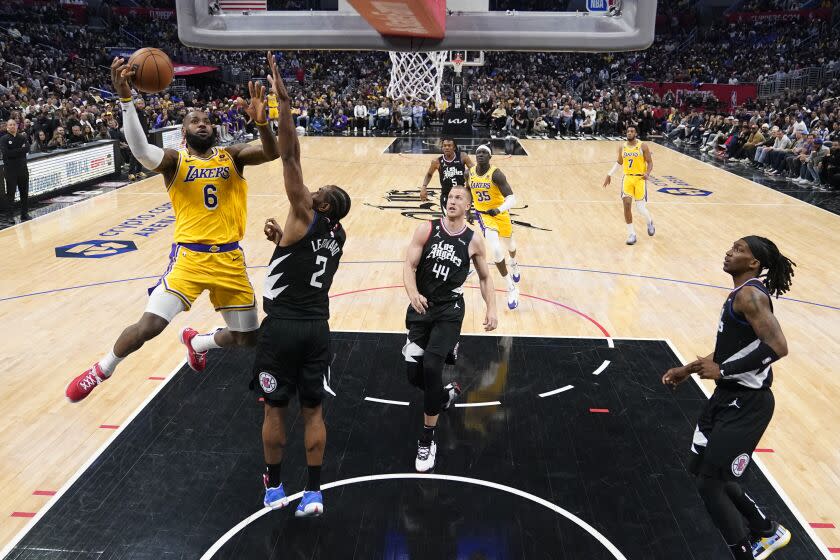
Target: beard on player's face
[(201, 143)]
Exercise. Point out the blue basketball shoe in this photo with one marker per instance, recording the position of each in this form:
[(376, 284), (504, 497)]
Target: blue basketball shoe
[(275, 498), (311, 505)]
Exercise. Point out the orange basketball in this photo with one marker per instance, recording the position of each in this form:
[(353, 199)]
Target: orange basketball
[(153, 70)]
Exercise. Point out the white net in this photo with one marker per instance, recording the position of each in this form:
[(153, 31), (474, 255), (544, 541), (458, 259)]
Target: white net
[(416, 75)]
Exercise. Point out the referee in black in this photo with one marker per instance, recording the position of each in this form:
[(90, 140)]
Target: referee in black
[(14, 148), (749, 340)]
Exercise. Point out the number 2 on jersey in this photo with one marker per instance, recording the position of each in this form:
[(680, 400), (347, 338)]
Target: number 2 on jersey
[(319, 260)]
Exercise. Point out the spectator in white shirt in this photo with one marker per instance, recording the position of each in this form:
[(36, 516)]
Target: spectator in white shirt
[(799, 125), (360, 116), (383, 117)]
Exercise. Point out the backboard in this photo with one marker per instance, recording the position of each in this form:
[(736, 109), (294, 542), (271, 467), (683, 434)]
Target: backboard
[(469, 25)]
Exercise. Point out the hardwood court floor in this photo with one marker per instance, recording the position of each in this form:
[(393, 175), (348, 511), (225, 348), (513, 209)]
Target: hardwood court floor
[(58, 315)]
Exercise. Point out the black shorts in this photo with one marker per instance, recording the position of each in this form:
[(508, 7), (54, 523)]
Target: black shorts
[(437, 331), (292, 356), (729, 430)]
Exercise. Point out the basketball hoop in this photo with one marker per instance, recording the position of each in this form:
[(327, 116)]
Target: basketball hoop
[(458, 64), (416, 76)]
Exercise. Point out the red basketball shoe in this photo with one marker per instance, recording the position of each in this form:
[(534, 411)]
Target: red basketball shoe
[(197, 360), (82, 386)]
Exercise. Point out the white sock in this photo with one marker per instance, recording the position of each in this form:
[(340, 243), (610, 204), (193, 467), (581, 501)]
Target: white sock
[(630, 230), (642, 208), (509, 281), (109, 363), (204, 342), (513, 261)]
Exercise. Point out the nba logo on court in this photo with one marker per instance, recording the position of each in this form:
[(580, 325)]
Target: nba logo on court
[(739, 465), (267, 382)]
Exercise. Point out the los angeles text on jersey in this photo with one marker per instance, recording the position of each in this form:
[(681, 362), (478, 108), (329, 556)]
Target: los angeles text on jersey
[(194, 173), (330, 245), (443, 251), (452, 171)]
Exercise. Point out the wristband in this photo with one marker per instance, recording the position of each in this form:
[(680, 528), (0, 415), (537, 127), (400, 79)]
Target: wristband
[(126, 99), (258, 123)]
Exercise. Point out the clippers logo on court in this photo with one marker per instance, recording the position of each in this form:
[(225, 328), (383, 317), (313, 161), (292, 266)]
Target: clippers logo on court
[(95, 249), (267, 382), (739, 465), (412, 207)]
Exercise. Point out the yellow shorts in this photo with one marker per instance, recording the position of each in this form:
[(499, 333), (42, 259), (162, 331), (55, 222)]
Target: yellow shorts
[(500, 223), (273, 114), (222, 274), (634, 186)]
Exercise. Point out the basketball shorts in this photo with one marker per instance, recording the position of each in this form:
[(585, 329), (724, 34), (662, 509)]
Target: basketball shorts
[(500, 223), (634, 186), (222, 274), (293, 356), (436, 331), (273, 114), (729, 430)]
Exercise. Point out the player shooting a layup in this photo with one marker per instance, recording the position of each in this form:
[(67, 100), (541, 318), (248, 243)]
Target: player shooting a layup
[(635, 159), (209, 198), (749, 340), (493, 198)]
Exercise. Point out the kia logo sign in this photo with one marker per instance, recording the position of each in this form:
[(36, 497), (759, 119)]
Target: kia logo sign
[(456, 121)]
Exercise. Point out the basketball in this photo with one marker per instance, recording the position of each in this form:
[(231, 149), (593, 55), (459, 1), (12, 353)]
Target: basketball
[(535, 294), (153, 70)]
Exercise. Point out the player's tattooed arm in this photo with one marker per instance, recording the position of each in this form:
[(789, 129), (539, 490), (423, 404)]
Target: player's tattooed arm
[(755, 306)]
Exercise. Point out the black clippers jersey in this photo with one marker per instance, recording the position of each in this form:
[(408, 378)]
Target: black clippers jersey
[(451, 173), (735, 339), (298, 280), (444, 263)]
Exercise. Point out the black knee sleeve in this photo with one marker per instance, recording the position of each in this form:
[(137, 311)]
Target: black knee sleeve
[(433, 379), (725, 515), (414, 371)]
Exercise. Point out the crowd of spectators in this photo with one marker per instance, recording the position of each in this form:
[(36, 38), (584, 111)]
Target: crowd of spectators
[(54, 81)]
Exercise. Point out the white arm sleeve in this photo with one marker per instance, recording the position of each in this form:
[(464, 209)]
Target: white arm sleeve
[(147, 154), (510, 200), (614, 168)]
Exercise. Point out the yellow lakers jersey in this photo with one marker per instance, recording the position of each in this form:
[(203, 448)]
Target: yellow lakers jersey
[(485, 193), (209, 198), (633, 159), (272, 101)]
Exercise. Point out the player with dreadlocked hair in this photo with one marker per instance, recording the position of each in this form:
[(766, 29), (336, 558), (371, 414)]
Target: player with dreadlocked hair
[(749, 340), (293, 346)]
